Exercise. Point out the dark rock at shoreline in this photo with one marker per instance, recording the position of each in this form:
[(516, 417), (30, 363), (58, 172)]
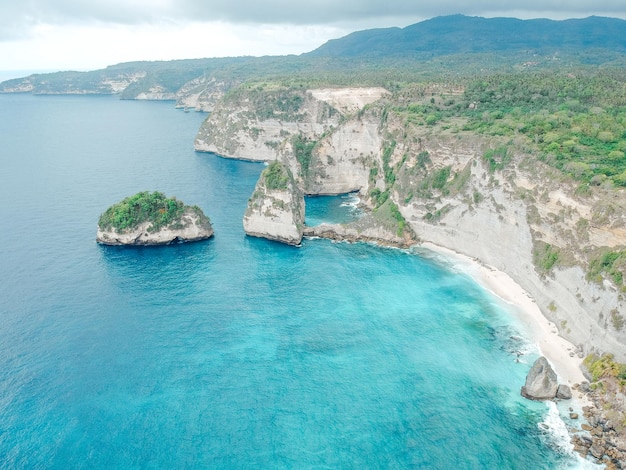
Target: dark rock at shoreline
[(563, 392), (541, 381)]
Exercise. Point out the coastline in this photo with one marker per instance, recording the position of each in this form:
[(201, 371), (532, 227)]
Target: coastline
[(544, 334)]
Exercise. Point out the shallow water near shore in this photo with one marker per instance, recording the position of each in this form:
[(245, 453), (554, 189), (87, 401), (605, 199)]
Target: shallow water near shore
[(235, 352)]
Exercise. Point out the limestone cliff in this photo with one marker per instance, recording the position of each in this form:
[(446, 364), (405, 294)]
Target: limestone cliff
[(341, 161), (156, 93), (518, 219), (485, 197), (134, 81), (276, 209), (254, 123)]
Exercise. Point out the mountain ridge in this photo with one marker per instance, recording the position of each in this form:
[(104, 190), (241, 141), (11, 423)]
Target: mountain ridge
[(453, 34)]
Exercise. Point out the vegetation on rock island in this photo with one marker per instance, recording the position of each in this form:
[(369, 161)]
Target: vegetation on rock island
[(276, 176), (153, 207)]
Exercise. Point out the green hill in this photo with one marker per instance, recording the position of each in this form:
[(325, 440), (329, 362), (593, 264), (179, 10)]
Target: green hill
[(458, 34)]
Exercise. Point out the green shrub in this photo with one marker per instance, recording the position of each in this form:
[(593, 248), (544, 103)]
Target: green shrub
[(604, 367), (440, 178), (390, 176), (303, 150), (379, 197), (497, 159), (545, 256), (609, 263), (276, 176), (395, 213)]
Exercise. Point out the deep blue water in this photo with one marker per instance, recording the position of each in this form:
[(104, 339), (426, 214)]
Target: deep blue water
[(234, 352)]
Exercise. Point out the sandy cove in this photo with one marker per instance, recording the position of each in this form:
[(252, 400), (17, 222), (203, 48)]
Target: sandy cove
[(559, 352)]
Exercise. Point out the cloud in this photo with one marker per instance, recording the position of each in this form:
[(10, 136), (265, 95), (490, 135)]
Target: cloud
[(16, 17), (333, 11)]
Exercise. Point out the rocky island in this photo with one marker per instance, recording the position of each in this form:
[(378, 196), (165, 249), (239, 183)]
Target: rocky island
[(152, 219)]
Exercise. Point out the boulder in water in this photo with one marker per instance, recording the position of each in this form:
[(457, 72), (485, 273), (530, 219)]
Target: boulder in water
[(541, 381)]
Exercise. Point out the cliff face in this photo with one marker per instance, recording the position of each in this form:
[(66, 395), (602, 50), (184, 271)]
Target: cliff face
[(508, 211), (503, 220), (191, 226), (256, 123), (341, 161), (276, 209)]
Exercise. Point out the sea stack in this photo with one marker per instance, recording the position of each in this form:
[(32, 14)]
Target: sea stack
[(541, 381), (152, 219), (276, 209)]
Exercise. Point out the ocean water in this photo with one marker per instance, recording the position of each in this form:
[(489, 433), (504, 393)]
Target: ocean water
[(235, 352), (332, 209)]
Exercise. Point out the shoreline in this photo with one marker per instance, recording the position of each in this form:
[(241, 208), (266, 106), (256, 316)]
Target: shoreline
[(561, 354)]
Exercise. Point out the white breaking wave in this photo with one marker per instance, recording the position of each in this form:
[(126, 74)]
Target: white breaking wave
[(351, 200)]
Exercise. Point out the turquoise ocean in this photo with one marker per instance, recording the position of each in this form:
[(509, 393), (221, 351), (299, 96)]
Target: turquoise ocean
[(234, 352)]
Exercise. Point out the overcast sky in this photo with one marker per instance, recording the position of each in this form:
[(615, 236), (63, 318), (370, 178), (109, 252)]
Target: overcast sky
[(91, 34)]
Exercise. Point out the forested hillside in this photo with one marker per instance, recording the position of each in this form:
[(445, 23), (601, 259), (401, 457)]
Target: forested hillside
[(458, 34)]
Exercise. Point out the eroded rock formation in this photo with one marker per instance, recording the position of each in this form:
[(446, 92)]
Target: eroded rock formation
[(276, 209)]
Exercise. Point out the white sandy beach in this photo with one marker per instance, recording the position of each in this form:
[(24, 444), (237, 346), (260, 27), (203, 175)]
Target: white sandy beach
[(544, 334)]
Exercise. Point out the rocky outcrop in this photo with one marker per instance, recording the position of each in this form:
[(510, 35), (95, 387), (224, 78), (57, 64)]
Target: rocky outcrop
[(276, 209), (601, 438), (541, 381), (352, 233), (156, 93), (189, 227), (369, 228)]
